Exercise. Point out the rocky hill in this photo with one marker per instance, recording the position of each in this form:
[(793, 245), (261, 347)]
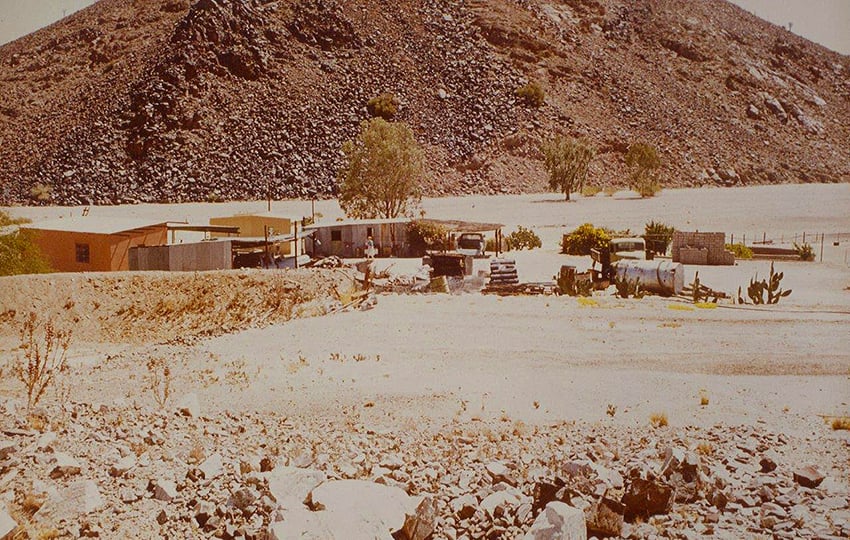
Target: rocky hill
[(163, 100)]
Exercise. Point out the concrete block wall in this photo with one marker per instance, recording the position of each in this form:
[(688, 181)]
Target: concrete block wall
[(687, 248)]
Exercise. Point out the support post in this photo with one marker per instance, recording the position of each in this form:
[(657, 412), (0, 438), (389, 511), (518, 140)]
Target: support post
[(296, 243), (821, 247)]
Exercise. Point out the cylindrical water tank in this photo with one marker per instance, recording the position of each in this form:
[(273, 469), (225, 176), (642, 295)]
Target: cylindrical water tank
[(664, 277)]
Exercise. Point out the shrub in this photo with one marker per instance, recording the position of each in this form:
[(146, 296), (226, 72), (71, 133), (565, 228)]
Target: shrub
[(18, 252), (567, 162), (490, 245), (647, 187), (841, 422), (44, 357), (532, 94), (522, 238), (658, 236), (806, 252), (609, 191), (583, 239), (425, 235), (658, 419), (590, 191), (384, 105), (643, 162), (740, 250)]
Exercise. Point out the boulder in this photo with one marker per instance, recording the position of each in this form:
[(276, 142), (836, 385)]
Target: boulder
[(7, 524), (605, 517), (64, 465), (212, 467), (79, 498), (647, 497), (164, 490), (420, 524), (375, 503), (326, 525), (498, 499), (290, 486), (558, 521), (808, 476)]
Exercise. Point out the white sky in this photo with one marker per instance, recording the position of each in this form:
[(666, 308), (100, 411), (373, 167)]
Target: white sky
[(824, 21)]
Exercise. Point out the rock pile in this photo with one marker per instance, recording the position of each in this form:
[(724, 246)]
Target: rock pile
[(108, 470)]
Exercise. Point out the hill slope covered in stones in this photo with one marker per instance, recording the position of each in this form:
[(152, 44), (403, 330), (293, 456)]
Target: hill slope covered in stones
[(164, 100)]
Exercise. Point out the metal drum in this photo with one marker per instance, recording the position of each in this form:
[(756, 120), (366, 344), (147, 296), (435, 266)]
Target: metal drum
[(663, 277)]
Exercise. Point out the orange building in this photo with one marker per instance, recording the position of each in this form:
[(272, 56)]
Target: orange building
[(94, 244)]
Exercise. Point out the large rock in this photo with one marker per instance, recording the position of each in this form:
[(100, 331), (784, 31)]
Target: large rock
[(212, 467), (681, 471), (79, 498), (375, 503), (808, 476), (647, 497), (605, 517), (421, 523), (326, 525), (558, 521), (64, 465), (7, 525), (290, 486)]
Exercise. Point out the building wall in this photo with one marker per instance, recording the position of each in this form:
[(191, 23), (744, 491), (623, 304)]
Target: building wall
[(251, 226), (389, 238), (106, 252), (196, 256), (701, 248)]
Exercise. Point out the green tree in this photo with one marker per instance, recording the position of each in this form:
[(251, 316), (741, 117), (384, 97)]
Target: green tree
[(18, 252), (643, 162), (567, 161), (383, 171)]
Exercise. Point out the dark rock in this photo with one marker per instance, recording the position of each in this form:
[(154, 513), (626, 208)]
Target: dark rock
[(644, 498), (808, 476), (605, 517)]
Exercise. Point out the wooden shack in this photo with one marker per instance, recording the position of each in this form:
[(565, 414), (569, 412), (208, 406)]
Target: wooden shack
[(348, 238), (259, 225)]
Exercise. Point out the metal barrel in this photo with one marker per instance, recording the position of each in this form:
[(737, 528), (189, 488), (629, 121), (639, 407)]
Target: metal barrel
[(664, 277)]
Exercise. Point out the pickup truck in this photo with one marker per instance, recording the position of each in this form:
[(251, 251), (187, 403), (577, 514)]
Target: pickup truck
[(471, 244)]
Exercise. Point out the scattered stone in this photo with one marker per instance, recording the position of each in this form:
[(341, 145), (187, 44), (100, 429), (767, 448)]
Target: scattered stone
[(767, 464), (7, 525), (375, 503), (165, 490), (189, 406), (7, 448), (212, 467), (645, 498), (79, 498), (290, 486), (558, 521), (243, 498), (123, 465), (808, 476), (605, 517), (420, 524), (65, 465)]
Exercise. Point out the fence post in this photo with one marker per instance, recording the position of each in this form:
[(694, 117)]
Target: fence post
[(763, 237), (821, 247)]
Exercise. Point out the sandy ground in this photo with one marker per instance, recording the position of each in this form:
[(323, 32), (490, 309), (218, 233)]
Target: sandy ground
[(551, 358)]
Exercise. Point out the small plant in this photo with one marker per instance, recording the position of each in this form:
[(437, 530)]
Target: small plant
[(522, 238), (658, 236), (609, 191), (647, 187), (805, 252), (41, 192), (531, 94), (705, 449), (841, 422), (158, 381), (590, 191), (658, 420), (740, 250), (44, 357), (384, 105), (628, 288), (758, 288), (583, 239), (703, 398), (612, 410)]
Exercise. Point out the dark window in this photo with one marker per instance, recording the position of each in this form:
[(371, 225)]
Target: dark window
[(369, 231), (82, 253), (336, 236)]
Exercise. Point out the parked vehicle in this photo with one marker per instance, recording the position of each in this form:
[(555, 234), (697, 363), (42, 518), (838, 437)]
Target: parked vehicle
[(471, 244)]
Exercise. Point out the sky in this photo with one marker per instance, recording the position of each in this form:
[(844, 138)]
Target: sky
[(824, 21)]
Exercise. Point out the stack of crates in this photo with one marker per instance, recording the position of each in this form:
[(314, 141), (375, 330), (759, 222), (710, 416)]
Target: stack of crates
[(503, 272)]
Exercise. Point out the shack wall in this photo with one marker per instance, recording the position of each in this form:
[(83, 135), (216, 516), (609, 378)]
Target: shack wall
[(107, 252), (701, 248), (193, 257)]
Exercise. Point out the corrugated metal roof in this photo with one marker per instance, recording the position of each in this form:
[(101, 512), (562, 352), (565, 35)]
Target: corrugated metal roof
[(93, 225)]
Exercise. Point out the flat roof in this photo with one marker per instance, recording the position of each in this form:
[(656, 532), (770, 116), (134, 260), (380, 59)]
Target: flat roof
[(93, 225), (349, 222), (456, 225), (264, 214)]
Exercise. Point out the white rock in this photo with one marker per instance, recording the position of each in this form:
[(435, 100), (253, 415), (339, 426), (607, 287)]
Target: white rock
[(291, 485), (45, 440), (123, 465), (558, 521), (64, 465), (7, 524), (326, 525), (375, 503), (499, 498), (212, 467), (165, 490), (79, 498)]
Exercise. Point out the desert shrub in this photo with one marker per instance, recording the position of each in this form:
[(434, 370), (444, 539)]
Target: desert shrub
[(609, 191), (19, 253), (758, 288), (384, 105), (522, 238), (490, 245), (590, 191), (658, 236), (531, 94), (740, 250), (583, 239), (806, 252), (643, 162), (41, 192), (841, 422), (158, 381), (425, 235), (658, 420), (567, 161), (45, 349)]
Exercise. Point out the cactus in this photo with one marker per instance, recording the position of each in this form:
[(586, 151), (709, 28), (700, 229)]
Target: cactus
[(757, 288), (626, 287)]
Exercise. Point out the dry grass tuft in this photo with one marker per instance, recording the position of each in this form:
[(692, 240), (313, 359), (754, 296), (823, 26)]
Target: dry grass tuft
[(703, 398), (841, 422), (705, 449), (658, 420)]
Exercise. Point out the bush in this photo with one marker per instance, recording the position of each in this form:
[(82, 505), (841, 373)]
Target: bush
[(647, 187), (424, 235), (522, 238), (658, 236), (490, 245), (18, 252), (806, 252), (384, 105), (590, 191), (643, 162), (740, 250), (532, 94), (583, 239), (45, 350)]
